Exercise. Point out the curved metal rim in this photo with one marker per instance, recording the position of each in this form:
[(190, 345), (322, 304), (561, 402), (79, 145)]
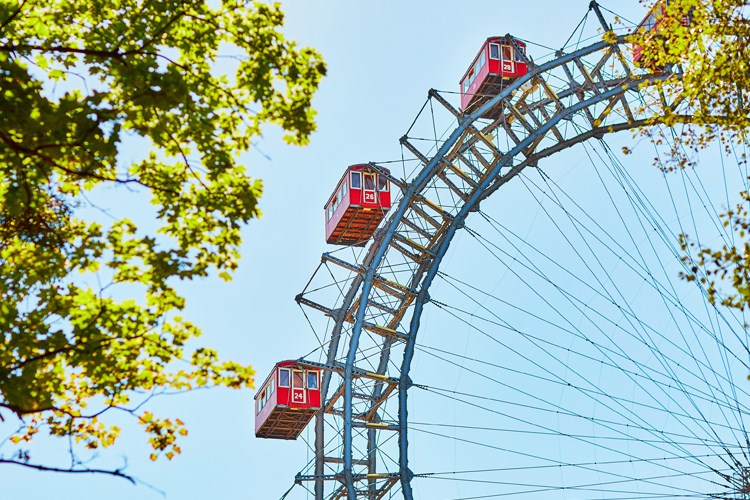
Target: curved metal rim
[(426, 273)]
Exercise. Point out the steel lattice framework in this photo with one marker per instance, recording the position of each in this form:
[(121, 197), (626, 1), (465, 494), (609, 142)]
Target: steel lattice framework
[(375, 319)]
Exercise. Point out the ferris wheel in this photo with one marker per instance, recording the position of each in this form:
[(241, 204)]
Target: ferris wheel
[(532, 342)]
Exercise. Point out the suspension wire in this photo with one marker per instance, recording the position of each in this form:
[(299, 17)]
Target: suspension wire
[(675, 302), (581, 416), (666, 366), (647, 368), (715, 311), (558, 409), (539, 377), (657, 287), (639, 332), (450, 393), (585, 487), (627, 356), (713, 329), (317, 337), (657, 225), (639, 497), (552, 433), (580, 25), (594, 467), (542, 467), (632, 23)]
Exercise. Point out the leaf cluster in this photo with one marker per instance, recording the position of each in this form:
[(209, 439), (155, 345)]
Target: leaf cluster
[(701, 46), (724, 272), (703, 43), (89, 311)]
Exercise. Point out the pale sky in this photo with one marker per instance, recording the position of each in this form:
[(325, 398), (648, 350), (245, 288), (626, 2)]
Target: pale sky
[(382, 58)]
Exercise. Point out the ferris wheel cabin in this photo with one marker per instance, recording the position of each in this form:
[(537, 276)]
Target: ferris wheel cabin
[(287, 401), (355, 209), (651, 25), (499, 62)]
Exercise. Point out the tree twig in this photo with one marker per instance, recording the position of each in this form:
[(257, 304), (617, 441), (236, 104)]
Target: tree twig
[(12, 16), (115, 473)]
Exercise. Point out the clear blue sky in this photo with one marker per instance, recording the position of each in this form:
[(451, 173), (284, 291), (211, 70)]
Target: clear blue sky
[(382, 59)]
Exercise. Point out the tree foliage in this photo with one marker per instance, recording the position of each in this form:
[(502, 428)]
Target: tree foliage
[(89, 309), (705, 43), (701, 46)]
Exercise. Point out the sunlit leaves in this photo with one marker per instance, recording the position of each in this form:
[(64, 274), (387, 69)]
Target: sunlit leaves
[(724, 271), (80, 84), (704, 44)]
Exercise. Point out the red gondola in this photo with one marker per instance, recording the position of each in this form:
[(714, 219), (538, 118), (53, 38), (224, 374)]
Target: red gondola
[(287, 401), (497, 64), (356, 207), (650, 26)]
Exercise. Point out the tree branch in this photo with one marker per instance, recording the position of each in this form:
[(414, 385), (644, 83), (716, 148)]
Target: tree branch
[(162, 30), (12, 16), (104, 54), (33, 152), (115, 473)]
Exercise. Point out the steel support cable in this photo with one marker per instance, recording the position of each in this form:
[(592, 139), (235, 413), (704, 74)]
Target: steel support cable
[(536, 271), (503, 430), (720, 338), (560, 410), (578, 226), (720, 342), (427, 350), (723, 350), (640, 496), (703, 198), (721, 155), (501, 230), (582, 303), (588, 467), (547, 179), (673, 297), (563, 382), (646, 368), (648, 340), (545, 379), (644, 200), (547, 466), (603, 423), (581, 23), (673, 377), (634, 24), (317, 337), (597, 260), (599, 487), (591, 467), (335, 283), (630, 377)]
